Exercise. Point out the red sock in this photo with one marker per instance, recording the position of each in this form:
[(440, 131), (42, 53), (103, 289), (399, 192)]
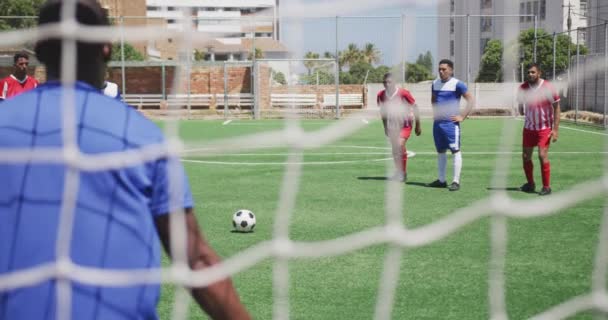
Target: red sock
[(404, 157), (529, 170), (546, 174)]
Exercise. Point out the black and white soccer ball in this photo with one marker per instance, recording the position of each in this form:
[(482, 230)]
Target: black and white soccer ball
[(243, 220)]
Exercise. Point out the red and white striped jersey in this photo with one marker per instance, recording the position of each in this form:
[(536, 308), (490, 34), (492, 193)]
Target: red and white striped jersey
[(401, 98), (11, 86), (538, 104)]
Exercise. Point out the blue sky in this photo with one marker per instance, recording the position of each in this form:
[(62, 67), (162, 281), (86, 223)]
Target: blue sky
[(318, 34)]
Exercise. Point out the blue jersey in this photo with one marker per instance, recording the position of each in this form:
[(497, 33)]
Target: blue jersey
[(447, 98), (115, 210)]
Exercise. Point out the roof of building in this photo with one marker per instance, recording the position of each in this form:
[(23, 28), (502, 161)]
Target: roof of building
[(264, 44)]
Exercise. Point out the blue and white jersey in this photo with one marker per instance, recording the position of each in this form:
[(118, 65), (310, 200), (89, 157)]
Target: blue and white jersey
[(447, 98), (113, 225)]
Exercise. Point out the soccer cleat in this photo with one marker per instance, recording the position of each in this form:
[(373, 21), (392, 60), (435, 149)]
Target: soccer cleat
[(545, 191), (398, 176), (528, 188), (455, 186), (437, 184)]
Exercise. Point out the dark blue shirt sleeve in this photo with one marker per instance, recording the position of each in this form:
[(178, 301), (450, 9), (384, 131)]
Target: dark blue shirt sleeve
[(461, 88)]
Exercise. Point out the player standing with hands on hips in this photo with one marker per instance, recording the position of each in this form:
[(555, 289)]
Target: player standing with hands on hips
[(539, 103), (446, 94)]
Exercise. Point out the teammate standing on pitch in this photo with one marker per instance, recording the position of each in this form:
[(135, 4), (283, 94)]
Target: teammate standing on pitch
[(119, 213), (18, 82), (396, 107), (446, 94), (539, 103)]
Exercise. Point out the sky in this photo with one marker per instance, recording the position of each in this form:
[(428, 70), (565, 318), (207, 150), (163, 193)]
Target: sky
[(380, 26)]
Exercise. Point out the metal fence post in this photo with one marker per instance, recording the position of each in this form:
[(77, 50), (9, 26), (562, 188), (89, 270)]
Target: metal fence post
[(402, 55), (554, 54), (605, 72), (337, 75), (468, 51), (225, 90), (577, 75), (122, 56), (163, 79), (535, 36)]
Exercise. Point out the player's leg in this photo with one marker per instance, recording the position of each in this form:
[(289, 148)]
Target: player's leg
[(530, 140), (441, 146), (403, 137), (543, 156), (453, 136)]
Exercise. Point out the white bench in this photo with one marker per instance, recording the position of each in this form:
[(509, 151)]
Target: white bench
[(143, 100), (194, 100), (346, 99), (293, 99), (237, 100)]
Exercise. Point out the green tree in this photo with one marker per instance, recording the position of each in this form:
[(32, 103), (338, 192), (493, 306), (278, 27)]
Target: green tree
[(371, 54), (278, 77), (259, 54), (19, 8), (491, 63), (544, 50), (310, 64), (416, 72), (131, 54), (351, 55), (426, 60)]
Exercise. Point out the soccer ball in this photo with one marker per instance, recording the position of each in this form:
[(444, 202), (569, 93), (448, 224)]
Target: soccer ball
[(243, 221)]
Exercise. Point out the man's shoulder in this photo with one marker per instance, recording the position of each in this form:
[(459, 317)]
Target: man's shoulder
[(381, 93)]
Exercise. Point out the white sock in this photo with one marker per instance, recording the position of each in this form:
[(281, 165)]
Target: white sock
[(457, 166), (442, 162)]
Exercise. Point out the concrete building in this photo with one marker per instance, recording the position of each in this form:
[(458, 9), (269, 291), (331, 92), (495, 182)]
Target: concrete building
[(128, 8), (463, 39), (598, 18), (231, 23)]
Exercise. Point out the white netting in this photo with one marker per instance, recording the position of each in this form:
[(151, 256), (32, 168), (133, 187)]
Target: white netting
[(281, 248)]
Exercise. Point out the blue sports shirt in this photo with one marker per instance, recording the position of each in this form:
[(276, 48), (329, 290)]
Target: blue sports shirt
[(447, 95), (114, 219)]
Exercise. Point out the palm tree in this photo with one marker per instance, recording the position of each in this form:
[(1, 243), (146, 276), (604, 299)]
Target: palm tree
[(371, 54), (310, 64), (351, 55)]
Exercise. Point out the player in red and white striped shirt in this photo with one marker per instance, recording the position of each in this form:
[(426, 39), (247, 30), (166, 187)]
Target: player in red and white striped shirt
[(18, 82), (399, 111), (539, 103)]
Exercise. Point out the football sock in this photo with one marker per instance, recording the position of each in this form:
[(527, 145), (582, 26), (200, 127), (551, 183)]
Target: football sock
[(529, 170), (442, 162), (457, 166), (546, 172), (404, 158)]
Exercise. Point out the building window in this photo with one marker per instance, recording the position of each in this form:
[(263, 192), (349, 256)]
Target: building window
[(522, 11), (452, 6), (486, 4), (584, 9), (152, 8), (485, 24), (451, 48), (452, 26), (529, 11), (543, 9), (535, 7)]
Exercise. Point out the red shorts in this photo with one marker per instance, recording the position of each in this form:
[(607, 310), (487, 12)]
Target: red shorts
[(405, 133), (534, 138)]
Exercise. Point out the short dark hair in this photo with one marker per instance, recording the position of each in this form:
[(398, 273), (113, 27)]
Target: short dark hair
[(534, 65), (88, 12), (387, 75), (19, 55), (448, 62)]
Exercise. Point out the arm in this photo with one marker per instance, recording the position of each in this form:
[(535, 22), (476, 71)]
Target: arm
[(470, 104), (417, 128), (219, 300), (557, 112)]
